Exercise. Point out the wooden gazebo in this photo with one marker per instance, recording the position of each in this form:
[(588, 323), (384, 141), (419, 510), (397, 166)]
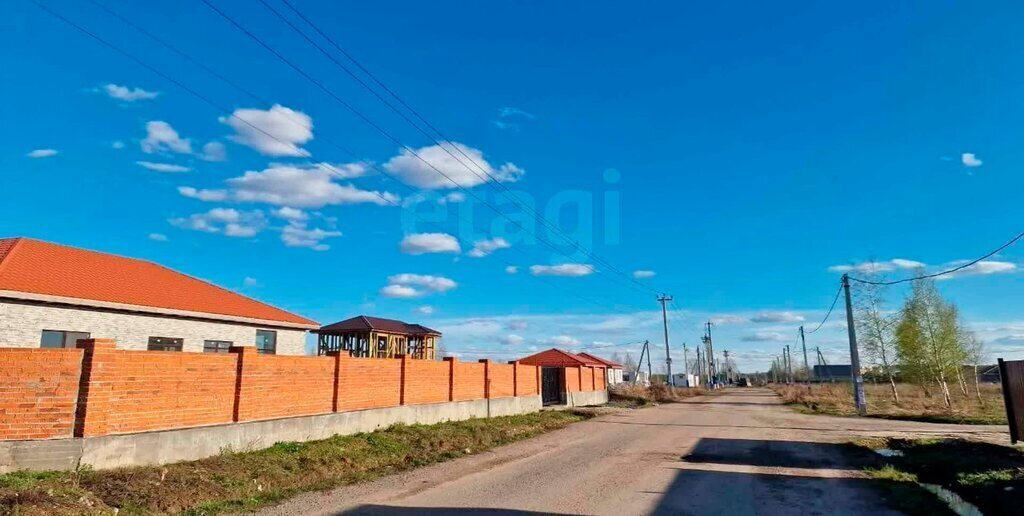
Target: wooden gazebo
[(364, 336)]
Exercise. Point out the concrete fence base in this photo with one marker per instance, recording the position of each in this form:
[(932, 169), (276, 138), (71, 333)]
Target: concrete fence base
[(168, 446), (585, 398)]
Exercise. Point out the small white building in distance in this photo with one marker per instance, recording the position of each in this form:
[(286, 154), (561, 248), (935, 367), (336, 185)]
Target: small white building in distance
[(52, 295)]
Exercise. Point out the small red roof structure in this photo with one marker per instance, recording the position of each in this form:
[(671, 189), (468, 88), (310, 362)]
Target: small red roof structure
[(555, 357), (41, 271), (608, 363)]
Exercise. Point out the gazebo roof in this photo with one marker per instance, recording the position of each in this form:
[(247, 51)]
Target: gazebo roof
[(367, 323)]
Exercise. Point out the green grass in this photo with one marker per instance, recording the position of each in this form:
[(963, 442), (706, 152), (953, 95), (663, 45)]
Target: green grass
[(244, 480), (990, 476)]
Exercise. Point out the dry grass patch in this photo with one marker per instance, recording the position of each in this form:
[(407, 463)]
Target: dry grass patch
[(635, 396), (837, 399), (246, 480)]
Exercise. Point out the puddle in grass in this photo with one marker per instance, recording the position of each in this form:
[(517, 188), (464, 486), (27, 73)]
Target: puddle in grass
[(958, 505)]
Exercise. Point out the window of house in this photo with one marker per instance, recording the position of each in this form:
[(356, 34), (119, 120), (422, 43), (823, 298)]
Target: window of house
[(61, 338), (216, 346), (266, 341), (165, 344)]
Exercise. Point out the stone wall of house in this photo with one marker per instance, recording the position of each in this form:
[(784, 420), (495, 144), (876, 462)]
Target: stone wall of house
[(21, 326)]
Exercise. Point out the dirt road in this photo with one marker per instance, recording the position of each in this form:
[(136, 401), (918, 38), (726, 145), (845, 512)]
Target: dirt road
[(740, 452)]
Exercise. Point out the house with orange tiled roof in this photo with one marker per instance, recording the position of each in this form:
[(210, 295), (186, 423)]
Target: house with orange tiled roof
[(52, 295)]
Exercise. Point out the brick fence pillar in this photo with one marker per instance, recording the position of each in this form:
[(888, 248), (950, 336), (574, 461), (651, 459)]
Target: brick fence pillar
[(94, 389), (579, 376), (402, 377), (243, 383), (451, 377), (538, 370), (487, 377), (515, 377), (339, 372)]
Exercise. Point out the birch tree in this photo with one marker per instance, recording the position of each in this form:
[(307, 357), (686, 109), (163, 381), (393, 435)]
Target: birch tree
[(928, 337), (877, 331)]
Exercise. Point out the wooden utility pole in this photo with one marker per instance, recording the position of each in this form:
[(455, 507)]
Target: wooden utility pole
[(664, 319), (686, 365), (858, 380), (728, 368), (709, 353)]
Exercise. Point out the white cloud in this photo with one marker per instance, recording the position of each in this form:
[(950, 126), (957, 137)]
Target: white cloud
[(981, 268), (42, 153), (643, 274), (764, 336), (250, 282), (512, 269), (128, 94), (511, 339), (162, 167), (565, 269), (279, 131), (288, 213), (158, 237), (225, 221), (776, 317), (422, 243), (301, 187), (161, 137), (518, 325), (214, 151), (400, 291), (875, 267), (430, 283), (423, 310), (410, 169), (483, 248), (203, 194), (728, 319), (117, 144), (296, 234), (454, 197), (970, 160), (562, 340)]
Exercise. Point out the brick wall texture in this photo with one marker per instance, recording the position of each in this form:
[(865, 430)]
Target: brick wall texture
[(102, 390), (38, 392)]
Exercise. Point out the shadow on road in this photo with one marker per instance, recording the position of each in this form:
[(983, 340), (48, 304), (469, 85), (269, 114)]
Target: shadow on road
[(709, 487), (461, 511), (778, 454)]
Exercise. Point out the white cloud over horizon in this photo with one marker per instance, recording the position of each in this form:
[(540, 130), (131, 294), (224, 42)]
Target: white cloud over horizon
[(126, 94), (565, 269), (418, 169), (278, 131), (429, 243), (485, 247), (42, 153), (162, 167)]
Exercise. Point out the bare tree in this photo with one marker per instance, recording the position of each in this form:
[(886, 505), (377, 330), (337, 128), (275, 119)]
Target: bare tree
[(877, 330), (975, 349)]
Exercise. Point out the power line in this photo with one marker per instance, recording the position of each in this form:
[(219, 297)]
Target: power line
[(366, 119), (834, 301), (207, 100), (943, 273), (494, 180)]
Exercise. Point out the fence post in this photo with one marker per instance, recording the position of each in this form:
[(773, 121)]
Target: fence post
[(451, 377), (515, 377), (579, 376), (337, 356), (401, 381), (246, 354), (537, 369), (93, 393), (487, 377)]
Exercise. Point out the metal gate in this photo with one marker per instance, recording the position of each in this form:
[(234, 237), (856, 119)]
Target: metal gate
[(1011, 373), (552, 379)]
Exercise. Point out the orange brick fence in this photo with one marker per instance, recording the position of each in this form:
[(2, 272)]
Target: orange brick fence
[(98, 390)]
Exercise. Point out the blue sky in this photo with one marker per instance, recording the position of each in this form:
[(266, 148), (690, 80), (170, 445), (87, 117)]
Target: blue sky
[(739, 151)]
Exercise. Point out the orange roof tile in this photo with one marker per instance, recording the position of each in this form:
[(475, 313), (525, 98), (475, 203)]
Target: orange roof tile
[(41, 268), (555, 357), (603, 361)]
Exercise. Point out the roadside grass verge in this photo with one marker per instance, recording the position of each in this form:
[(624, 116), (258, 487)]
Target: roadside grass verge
[(627, 395), (239, 481), (837, 399), (990, 476)]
